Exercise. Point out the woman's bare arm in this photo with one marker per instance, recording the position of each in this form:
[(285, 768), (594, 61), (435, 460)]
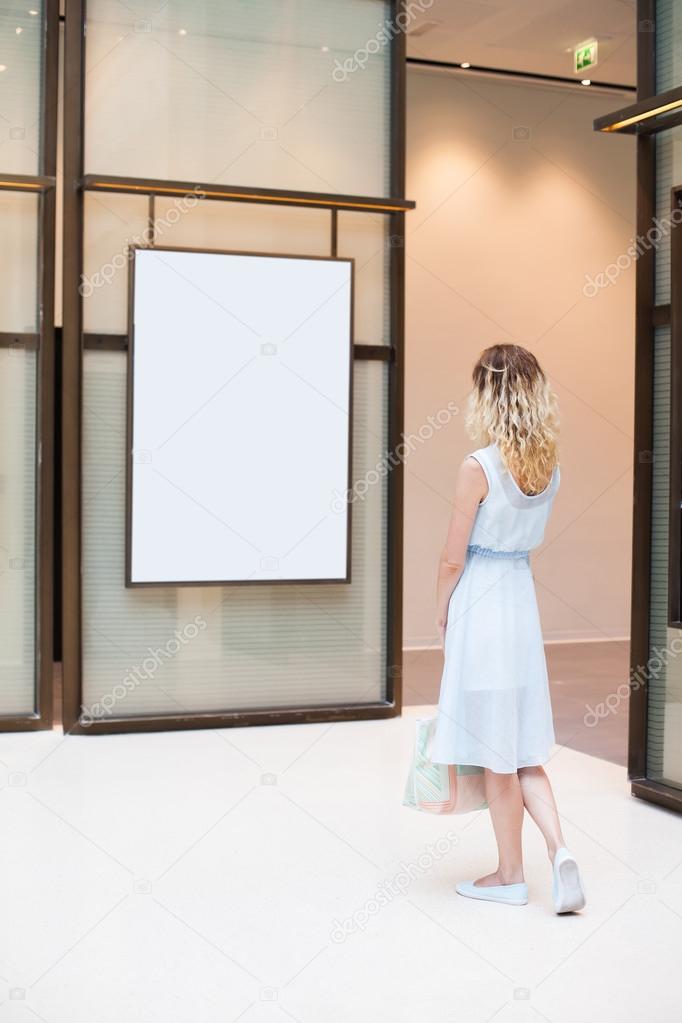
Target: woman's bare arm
[(470, 490)]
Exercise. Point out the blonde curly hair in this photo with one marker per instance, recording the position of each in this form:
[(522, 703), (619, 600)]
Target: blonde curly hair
[(513, 406)]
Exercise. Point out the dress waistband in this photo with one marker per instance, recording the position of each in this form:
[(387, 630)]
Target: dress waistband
[(489, 552)]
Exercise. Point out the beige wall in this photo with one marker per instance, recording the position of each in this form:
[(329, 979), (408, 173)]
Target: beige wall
[(508, 222)]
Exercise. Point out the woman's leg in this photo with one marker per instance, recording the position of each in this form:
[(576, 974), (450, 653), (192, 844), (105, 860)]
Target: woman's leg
[(538, 799), (503, 794)]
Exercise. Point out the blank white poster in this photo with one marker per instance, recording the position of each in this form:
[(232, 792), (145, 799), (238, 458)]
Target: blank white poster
[(240, 379)]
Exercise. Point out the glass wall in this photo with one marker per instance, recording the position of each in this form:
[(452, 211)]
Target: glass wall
[(263, 646), (234, 93), (21, 86), (240, 93), (22, 34), (257, 647), (668, 44), (664, 691), (664, 706)]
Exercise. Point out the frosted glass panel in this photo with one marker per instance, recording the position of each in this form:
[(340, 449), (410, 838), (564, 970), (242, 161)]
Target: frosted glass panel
[(365, 237), (18, 261), (668, 44), (664, 670), (17, 531), (21, 36), (668, 174), (240, 93), (166, 650), (18, 288), (112, 224), (242, 226), (664, 696)]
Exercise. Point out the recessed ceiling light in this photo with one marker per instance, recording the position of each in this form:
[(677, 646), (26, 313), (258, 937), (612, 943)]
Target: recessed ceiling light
[(586, 81), (34, 14), (465, 63), (325, 49), (3, 67), (18, 30), (182, 31)]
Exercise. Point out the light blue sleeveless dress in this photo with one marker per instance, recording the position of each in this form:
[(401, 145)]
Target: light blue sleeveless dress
[(494, 709)]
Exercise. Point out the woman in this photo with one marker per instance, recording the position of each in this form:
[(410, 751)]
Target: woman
[(494, 709)]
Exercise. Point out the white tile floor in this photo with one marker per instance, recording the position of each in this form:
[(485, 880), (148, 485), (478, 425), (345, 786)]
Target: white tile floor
[(271, 874)]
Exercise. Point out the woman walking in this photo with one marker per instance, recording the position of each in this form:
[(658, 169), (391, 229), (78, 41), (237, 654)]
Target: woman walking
[(494, 709)]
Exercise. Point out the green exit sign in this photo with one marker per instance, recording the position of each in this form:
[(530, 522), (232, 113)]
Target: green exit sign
[(585, 55)]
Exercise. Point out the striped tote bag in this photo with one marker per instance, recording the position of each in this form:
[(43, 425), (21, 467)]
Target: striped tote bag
[(441, 788)]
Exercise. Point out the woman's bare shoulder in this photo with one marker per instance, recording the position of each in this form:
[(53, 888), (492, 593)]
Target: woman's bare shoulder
[(471, 478)]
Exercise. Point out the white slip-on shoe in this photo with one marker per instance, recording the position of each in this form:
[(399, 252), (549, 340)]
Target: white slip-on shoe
[(510, 894), (567, 890)]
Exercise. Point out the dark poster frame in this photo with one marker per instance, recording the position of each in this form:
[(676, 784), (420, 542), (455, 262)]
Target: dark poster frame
[(43, 185), (134, 249), (74, 342)]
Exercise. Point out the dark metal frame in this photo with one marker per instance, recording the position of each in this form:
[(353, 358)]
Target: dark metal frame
[(238, 193), (75, 184), (38, 182), (131, 432), (647, 116), (648, 316), (43, 184)]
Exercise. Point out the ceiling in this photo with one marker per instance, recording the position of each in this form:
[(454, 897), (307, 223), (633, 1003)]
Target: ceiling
[(535, 36)]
